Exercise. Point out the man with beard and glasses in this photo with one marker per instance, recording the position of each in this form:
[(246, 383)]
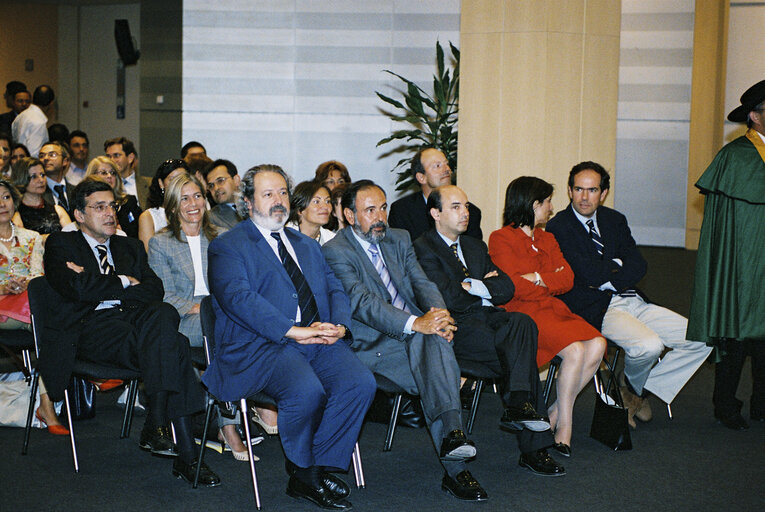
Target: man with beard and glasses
[(401, 328), (281, 325)]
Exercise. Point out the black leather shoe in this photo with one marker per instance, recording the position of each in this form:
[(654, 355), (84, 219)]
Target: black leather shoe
[(734, 421), (540, 463), (335, 485), (463, 486), (207, 477), (320, 496), (456, 446), (525, 416), (158, 441), (563, 449)]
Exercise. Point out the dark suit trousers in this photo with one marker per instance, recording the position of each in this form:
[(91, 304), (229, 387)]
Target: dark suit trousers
[(145, 339), (323, 393), (507, 343), (728, 374)]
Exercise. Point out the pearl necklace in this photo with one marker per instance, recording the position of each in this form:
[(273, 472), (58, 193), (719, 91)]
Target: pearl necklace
[(13, 234)]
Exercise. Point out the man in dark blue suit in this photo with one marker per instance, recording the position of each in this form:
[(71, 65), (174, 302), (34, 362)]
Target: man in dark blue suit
[(281, 326), (597, 243)]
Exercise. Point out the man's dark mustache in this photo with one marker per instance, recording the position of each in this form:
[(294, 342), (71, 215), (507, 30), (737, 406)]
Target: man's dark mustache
[(379, 224), (277, 208)]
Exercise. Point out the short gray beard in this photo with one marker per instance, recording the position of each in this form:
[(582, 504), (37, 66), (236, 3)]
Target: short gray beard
[(267, 221), (369, 236)]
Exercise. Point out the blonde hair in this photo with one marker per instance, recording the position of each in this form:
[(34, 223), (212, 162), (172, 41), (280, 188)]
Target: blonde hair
[(119, 192), (173, 202)]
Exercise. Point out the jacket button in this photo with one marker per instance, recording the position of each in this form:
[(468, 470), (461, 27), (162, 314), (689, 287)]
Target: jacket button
[(378, 354), (294, 295)]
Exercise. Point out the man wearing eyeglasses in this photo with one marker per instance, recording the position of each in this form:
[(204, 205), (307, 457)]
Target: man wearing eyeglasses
[(110, 311), (222, 184), (55, 159)]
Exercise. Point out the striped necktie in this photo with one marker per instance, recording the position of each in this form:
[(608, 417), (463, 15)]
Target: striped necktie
[(457, 255), (596, 240), (309, 312), (382, 270), (103, 260)]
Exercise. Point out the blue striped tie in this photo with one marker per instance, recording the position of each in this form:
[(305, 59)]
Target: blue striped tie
[(595, 237), (382, 270), (309, 312)]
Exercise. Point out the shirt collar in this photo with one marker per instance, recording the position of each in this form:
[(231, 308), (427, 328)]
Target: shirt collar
[(53, 183), (584, 219), (92, 242), (364, 244), (267, 232), (447, 241)]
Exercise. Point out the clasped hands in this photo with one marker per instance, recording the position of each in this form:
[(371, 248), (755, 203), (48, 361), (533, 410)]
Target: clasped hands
[(14, 286), (323, 333), (436, 321)]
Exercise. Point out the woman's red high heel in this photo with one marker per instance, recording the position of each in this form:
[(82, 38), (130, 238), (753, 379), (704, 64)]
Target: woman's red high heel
[(56, 430)]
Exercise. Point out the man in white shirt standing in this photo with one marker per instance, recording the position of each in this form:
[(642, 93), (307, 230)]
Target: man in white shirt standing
[(31, 126)]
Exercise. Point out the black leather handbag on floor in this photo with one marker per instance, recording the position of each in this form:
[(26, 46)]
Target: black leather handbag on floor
[(82, 397), (609, 422), (410, 414)]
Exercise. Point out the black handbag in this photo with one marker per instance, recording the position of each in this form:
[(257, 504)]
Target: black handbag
[(82, 397), (609, 422)]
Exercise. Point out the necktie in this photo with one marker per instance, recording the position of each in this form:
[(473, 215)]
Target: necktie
[(309, 312), (61, 196), (457, 255), (382, 270), (103, 260), (596, 240)]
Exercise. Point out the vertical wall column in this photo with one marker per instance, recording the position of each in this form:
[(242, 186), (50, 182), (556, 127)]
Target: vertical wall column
[(710, 36), (538, 94)]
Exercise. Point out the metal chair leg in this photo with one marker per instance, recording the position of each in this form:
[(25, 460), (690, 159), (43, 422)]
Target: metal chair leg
[(203, 444), (127, 419), (358, 469), (392, 423), (70, 424), (474, 406), (248, 436), (30, 412)]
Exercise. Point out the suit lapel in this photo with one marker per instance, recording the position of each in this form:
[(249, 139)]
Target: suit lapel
[(446, 254), (266, 253), (581, 232), (123, 263), (365, 261), (184, 256)]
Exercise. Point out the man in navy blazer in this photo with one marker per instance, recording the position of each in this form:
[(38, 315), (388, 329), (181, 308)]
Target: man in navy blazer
[(401, 328), (607, 265), (430, 169), (282, 328)]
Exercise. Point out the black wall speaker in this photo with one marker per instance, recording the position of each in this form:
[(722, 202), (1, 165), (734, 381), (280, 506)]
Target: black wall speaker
[(125, 43)]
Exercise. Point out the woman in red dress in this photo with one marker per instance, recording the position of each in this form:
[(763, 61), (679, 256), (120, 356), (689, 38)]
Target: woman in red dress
[(533, 260)]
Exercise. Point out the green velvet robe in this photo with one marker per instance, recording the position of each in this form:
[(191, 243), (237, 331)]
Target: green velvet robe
[(729, 289)]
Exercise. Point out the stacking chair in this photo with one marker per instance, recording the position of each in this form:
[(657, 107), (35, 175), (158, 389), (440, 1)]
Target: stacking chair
[(207, 317), (42, 299), (610, 366), (480, 373), (389, 387)]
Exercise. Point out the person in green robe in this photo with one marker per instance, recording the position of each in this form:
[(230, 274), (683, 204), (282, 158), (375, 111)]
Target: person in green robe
[(728, 303)]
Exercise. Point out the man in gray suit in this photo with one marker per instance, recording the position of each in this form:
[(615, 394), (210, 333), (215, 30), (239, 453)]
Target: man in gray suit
[(222, 184), (400, 325)]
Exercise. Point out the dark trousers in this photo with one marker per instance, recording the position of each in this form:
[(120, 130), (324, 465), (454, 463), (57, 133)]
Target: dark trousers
[(507, 343), (728, 374), (323, 393), (145, 339)]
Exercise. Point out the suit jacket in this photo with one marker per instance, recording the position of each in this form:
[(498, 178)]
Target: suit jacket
[(590, 269), (411, 213), (50, 198), (78, 294), (255, 304), (445, 270), (224, 216), (377, 325)]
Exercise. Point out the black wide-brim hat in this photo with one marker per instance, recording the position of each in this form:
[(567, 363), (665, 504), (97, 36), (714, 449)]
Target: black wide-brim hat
[(749, 100)]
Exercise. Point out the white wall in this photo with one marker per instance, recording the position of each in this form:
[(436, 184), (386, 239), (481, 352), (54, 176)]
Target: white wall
[(746, 33), (654, 118), (88, 73), (292, 82)]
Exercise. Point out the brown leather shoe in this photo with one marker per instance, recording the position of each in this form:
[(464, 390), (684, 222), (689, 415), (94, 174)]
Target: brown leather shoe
[(632, 403)]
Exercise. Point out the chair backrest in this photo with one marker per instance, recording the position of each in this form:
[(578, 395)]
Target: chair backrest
[(207, 319)]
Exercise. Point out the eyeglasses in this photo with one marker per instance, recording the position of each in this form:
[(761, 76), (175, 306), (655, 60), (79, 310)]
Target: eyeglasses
[(102, 207), (106, 173), (52, 154), (219, 182)]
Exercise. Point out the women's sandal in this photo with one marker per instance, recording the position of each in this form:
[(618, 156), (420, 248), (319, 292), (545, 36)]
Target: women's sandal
[(271, 430), (56, 430)]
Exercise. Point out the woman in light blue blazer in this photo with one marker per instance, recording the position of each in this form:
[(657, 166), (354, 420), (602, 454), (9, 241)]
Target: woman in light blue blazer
[(178, 255)]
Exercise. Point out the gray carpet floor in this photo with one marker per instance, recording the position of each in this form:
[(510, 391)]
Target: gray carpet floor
[(689, 463)]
